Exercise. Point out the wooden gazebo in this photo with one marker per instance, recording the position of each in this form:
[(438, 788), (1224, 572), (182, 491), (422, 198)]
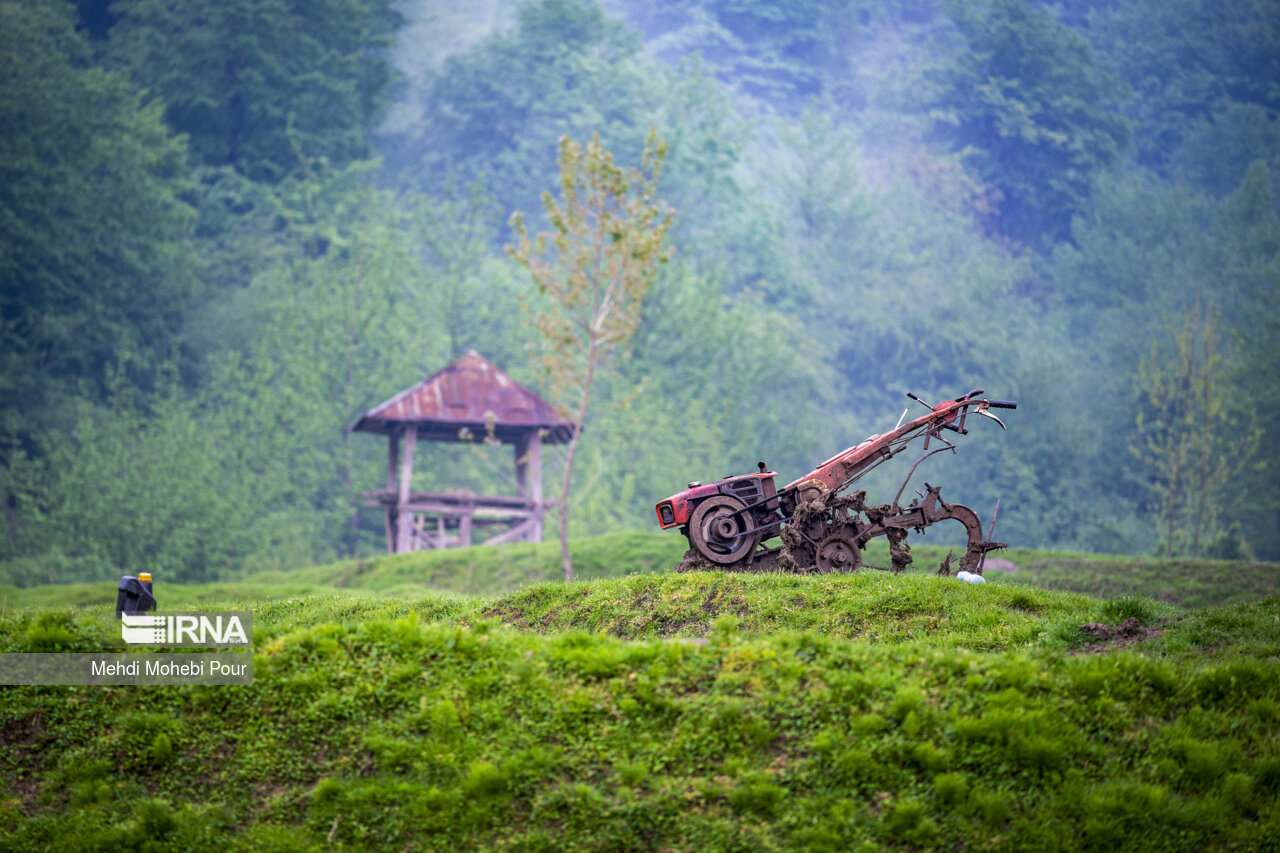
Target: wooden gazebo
[(471, 400)]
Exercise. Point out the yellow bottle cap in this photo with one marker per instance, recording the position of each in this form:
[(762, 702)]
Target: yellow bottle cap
[(145, 577)]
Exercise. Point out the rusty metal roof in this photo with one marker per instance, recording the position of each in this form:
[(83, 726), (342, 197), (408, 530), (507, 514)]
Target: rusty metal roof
[(464, 402)]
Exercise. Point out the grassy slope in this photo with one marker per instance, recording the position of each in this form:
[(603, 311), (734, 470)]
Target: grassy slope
[(487, 571), (809, 713), (1191, 583), (464, 570)]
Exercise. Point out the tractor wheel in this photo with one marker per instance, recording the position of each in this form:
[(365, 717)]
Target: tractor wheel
[(716, 532), (810, 491), (838, 554)]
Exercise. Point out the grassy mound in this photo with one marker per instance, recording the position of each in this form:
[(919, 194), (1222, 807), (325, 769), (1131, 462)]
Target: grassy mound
[(479, 570), (763, 712), (868, 606), (508, 568)]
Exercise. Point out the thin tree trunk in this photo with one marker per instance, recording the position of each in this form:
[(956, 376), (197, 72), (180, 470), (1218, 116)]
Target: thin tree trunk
[(568, 462), (564, 511)]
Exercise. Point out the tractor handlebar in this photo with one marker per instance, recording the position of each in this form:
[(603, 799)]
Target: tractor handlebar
[(1002, 404)]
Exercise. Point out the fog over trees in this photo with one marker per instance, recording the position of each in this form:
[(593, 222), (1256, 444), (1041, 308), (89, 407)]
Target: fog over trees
[(228, 228)]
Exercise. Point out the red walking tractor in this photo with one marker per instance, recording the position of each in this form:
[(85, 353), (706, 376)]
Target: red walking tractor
[(729, 523)]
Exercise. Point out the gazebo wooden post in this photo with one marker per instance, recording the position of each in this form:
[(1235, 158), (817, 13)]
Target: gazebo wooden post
[(464, 530), (521, 454), (393, 460), (404, 537)]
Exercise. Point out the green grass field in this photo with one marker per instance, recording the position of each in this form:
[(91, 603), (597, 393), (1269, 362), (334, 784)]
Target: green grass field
[(461, 701), (491, 571)]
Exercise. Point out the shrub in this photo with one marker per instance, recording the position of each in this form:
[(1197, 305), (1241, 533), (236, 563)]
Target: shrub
[(52, 632), (1202, 763), (1230, 683), (908, 700), (907, 821), (929, 757), (1022, 600), (952, 788), (155, 818), (630, 772), (1129, 607), (484, 780), (1039, 753), (161, 749), (993, 807), (1237, 792), (758, 795), (1266, 772)]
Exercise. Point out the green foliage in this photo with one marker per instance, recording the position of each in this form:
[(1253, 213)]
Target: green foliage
[(322, 337), (1192, 65), (593, 269), (262, 87), (1146, 254), (236, 311), (1246, 262), (781, 53), (493, 114), (1026, 97), (255, 469), (93, 268), (123, 489), (1187, 432), (469, 289)]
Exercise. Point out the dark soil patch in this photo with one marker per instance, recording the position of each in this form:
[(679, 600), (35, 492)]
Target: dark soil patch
[(1107, 637), (709, 606), (695, 627), (23, 737), (23, 733), (507, 614), (694, 562), (644, 601), (27, 790)]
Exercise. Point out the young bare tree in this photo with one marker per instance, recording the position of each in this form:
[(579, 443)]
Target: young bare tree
[(593, 267)]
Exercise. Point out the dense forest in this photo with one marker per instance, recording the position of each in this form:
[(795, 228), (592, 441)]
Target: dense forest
[(228, 228)]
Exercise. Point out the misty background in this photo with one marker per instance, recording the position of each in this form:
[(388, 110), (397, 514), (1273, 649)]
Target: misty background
[(228, 228)]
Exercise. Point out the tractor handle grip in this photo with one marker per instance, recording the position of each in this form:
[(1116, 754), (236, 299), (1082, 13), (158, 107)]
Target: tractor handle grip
[(1002, 404)]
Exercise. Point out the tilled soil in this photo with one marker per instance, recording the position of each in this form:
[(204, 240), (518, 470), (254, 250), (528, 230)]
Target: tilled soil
[(1107, 637)]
